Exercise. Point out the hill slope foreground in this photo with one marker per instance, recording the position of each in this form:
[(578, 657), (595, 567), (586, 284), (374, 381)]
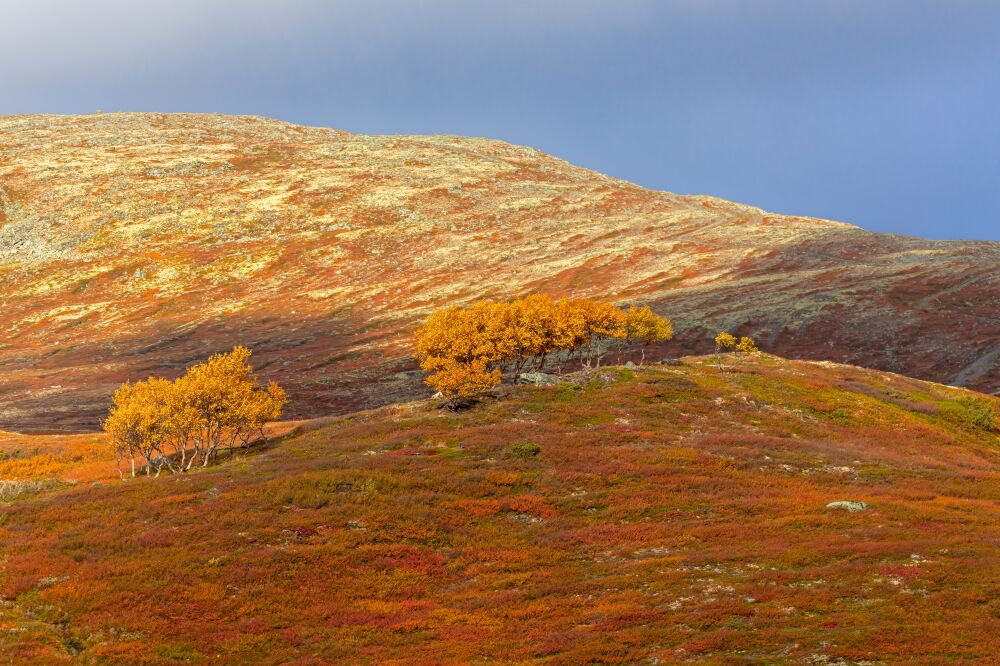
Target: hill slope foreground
[(133, 244), (666, 514)]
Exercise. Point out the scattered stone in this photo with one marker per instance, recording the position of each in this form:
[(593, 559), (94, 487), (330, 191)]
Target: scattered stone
[(850, 505), (630, 365), (649, 553), (50, 581), (159, 463), (670, 361), (538, 379)]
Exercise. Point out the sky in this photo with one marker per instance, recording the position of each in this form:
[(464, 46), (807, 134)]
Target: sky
[(883, 113)]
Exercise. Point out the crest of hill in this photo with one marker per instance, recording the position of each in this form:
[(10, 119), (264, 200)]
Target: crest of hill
[(666, 513), (133, 244)]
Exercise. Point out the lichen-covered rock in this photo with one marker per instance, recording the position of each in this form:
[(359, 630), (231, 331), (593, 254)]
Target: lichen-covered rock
[(849, 505), (538, 379)]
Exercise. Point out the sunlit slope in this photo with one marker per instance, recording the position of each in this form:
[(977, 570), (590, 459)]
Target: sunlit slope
[(137, 243), (658, 515)]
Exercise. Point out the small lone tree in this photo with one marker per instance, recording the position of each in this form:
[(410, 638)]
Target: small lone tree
[(644, 327), (746, 345), (724, 342)]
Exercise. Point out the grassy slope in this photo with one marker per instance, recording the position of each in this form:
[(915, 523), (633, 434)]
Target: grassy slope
[(672, 513)]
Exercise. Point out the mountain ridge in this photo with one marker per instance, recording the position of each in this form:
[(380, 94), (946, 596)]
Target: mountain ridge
[(133, 244)]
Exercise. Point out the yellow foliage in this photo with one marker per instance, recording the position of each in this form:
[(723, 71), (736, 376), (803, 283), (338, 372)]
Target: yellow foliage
[(643, 326), (746, 345), (29, 468), (724, 342), (176, 424), (455, 379), (467, 350)]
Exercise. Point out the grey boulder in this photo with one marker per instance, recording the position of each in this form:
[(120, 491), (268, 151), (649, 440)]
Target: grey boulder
[(537, 379), (850, 505)]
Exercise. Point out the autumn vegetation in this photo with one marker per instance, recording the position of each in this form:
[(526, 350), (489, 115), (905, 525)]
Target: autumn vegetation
[(658, 514), (470, 349), (178, 424), (727, 342)]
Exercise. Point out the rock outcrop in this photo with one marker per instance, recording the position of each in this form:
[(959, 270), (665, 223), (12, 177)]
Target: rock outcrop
[(848, 505)]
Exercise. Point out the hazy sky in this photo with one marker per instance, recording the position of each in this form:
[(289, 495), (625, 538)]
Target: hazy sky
[(884, 113)]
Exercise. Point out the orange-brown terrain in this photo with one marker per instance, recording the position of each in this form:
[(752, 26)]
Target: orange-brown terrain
[(661, 515), (760, 511), (137, 243)]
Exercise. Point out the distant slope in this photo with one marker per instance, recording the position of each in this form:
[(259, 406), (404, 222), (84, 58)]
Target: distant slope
[(137, 243), (671, 514)]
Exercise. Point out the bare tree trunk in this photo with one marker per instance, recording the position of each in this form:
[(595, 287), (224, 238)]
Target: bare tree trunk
[(118, 463), (214, 446), (215, 440), (197, 443)]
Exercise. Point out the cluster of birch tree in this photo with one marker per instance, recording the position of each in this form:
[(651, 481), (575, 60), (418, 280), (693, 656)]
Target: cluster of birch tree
[(158, 424), (470, 349)]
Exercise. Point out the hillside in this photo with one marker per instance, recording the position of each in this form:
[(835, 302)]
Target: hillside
[(138, 243), (665, 514)]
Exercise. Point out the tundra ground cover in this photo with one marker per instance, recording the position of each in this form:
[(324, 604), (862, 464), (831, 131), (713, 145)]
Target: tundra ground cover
[(654, 515)]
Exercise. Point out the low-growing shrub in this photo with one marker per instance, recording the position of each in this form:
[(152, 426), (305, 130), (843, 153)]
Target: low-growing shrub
[(917, 406), (318, 489), (972, 411), (29, 468), (525, 450), (307, 491), (12, 489), (981, 413)]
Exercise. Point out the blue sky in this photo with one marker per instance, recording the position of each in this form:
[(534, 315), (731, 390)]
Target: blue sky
[(884, 113)]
